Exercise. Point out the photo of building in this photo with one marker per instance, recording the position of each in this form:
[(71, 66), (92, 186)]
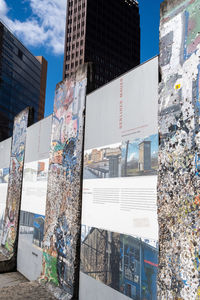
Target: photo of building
[(32, 228), (124, 263), (140, 156), (104, 162)]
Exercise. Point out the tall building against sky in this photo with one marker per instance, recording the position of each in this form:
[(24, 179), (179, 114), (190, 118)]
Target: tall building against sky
[(104, 32), (22, 81)]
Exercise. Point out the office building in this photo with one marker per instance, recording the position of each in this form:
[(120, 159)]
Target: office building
[(22, 81), (105, 33)]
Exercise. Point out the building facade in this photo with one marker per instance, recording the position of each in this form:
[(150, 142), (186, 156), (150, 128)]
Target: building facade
[(22, 81), (105, 33)]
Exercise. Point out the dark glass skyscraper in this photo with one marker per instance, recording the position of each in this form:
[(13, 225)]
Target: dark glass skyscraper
[(104, 32), (22, 81)]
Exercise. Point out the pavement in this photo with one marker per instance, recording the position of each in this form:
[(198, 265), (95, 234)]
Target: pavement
[(11, 279), (14, 286)]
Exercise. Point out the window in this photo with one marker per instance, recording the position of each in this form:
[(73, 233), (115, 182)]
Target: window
[(20, 54), (76, 64), (81, 61)]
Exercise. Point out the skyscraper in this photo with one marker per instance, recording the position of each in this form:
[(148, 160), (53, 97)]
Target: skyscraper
[(105, 33), (22, 81)]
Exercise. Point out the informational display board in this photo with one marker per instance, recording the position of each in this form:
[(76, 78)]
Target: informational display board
[(33, 200), (5, 149), (119, 244), (32, 218), (4, 175)]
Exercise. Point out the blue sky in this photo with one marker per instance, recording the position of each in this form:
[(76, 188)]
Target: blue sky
[(40, 25), (133, 149)]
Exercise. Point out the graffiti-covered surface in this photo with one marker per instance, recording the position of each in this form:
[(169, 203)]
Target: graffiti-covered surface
[(62, 225), (10, 229), (179, 157)]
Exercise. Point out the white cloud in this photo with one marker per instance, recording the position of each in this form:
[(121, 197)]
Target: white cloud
[(132, 156), (45, 27)]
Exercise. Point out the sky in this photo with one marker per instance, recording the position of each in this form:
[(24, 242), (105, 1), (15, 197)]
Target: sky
[(40, 26)]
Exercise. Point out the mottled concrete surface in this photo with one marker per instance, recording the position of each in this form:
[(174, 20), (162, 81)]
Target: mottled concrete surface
[(61, 244), (23, 291), (179, 154), (10, 279)]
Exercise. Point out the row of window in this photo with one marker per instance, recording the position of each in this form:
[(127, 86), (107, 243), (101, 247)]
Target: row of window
[(75, 2), (73, 55), (76, 27), (75, 18), (76, 8), (73, 45), (75, 36), (74, 64)]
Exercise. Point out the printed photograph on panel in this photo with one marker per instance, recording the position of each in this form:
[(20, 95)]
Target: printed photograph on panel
[(31, 228), (4, 174), (36, 171), (103, 162), (33, 202), (140, 156), (42, 171), (124, 263)]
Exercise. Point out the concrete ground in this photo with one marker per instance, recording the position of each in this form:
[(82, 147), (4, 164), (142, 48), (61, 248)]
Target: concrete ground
[(14, 286), (11, 279)]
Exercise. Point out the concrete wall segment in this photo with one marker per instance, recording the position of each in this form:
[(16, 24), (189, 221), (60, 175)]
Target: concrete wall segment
[(178, 180), (61, 255), (11, 219)]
